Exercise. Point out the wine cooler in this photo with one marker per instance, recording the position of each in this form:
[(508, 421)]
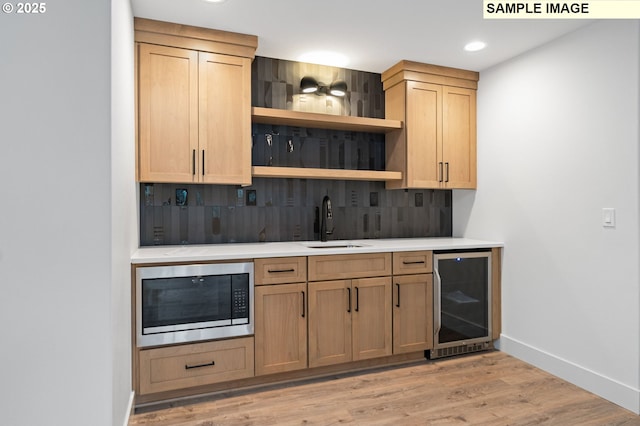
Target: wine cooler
[(462, 302)]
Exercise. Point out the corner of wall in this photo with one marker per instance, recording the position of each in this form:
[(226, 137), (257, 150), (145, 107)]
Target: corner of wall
[(610, 389)]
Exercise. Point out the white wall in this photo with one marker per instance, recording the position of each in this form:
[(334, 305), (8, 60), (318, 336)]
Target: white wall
[(124, 219), (557, 141), (60, 348)]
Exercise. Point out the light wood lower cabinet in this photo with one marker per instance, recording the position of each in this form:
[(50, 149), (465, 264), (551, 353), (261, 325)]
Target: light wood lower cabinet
[(371, 318), (412, 313), (412, 301), (176, 367), (349, 320), (280, 328), (354, 307)]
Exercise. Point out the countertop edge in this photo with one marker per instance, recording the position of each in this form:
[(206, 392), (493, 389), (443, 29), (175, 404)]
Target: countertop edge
[(237, 251)]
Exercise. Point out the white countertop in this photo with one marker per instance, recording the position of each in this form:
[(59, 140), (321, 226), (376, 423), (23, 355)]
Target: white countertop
[(194, 253)]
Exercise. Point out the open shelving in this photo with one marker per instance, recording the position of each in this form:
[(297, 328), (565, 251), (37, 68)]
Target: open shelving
[(323, 121)]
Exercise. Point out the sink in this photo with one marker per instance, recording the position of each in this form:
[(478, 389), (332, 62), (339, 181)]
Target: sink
[(333, 245)]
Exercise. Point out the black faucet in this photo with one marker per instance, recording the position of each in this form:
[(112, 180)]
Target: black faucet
[(326, 220)]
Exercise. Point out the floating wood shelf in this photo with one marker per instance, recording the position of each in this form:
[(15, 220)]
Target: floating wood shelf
[(323, 121), (336, 174)]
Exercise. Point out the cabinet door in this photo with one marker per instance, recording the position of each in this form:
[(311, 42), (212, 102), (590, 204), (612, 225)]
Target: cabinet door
[(280, 328), (225, 119), (424, 135), (412, 313), (168, 113), (371, 317), (459, 137), (329, 322)]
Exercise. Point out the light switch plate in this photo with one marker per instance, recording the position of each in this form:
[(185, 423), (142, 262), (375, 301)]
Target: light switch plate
[(609, 217)]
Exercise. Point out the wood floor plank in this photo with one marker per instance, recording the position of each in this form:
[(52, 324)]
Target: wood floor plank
[(487, 388)]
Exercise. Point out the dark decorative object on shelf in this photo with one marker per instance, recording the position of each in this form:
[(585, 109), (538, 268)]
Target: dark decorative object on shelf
[(275, 83)]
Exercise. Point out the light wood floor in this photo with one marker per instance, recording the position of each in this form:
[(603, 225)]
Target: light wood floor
[(489, 388)]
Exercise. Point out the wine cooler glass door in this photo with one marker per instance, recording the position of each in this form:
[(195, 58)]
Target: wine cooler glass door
[(462, 312)]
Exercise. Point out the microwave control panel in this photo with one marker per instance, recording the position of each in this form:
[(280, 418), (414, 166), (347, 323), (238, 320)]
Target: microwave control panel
[(240, 307)]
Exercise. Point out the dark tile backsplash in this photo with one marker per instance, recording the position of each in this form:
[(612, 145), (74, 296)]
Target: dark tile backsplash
[(284, 209), (317, 148), (275, 83)]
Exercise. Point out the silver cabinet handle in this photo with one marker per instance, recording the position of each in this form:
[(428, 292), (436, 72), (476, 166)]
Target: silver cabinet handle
[(437, 315)]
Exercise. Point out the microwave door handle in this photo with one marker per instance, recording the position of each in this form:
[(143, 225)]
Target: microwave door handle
[(437, 306)]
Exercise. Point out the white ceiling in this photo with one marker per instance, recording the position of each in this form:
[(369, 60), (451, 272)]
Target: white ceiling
[(373, 34)]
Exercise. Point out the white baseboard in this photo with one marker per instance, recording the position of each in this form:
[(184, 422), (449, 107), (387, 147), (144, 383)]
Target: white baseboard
[(129, 408), (605, 387)]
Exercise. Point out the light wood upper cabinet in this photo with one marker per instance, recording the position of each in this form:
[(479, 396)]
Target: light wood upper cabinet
[(225, 119), (437, 146), (459, 137), (194, 104), (167, 113)]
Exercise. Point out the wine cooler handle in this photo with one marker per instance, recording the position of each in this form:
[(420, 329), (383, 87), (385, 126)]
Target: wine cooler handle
[(437, 306)]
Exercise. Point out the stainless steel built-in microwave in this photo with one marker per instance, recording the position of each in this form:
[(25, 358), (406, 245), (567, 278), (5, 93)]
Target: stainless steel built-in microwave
[(186, 303)]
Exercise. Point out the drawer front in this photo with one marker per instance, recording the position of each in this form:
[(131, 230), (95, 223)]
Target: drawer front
[(280, 270), (338, 267), (412, 262), (178, 367)]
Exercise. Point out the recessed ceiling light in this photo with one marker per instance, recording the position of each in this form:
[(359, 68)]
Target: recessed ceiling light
[(323, 57), (474, 46), (215, 1)]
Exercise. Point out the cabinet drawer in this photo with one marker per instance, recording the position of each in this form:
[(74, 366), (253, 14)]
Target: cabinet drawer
[(337, 267), (177, 367), (412, 262), (280, 270)]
